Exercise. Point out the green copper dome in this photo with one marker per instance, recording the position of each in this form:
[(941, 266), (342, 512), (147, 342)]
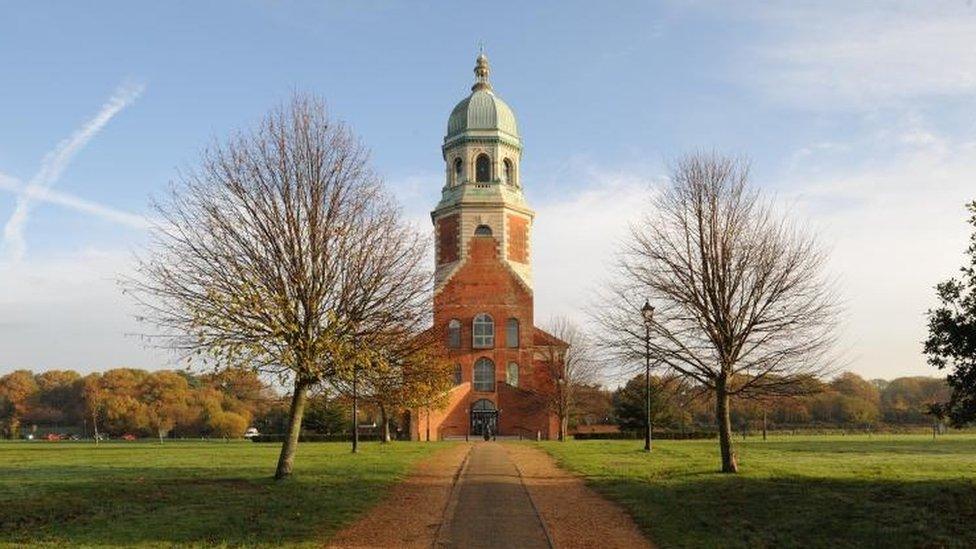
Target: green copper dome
[(482, 110)]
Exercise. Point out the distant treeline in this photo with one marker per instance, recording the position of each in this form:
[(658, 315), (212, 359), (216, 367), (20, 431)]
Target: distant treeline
[(846, 401), (163, 403)]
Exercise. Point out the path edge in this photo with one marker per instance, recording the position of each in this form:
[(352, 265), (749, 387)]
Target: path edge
[(535, 508), (447, 514)]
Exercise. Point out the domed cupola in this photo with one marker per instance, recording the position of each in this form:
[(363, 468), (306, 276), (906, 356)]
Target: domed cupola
[(482, 114), (482, 199)]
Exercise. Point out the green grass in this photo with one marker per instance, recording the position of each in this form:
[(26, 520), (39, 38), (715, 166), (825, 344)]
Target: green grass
[(203, 493), (853, 491)]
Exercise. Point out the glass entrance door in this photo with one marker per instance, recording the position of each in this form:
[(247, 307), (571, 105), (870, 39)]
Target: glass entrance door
[(484, 418)]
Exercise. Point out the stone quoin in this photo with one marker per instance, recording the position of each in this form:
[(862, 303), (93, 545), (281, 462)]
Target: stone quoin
[(483, 293)]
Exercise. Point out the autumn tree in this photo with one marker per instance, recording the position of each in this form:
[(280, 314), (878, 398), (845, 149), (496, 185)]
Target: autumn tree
[(165, 395), (742, 307), (17, 391), (280, 252), (951, 343)]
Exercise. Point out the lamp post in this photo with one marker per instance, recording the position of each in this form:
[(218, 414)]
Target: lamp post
[(647, 311)]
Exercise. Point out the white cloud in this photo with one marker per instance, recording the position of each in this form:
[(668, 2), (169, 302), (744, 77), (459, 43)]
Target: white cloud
[(896, 227), (56, 161), (66, 311), (850, 55), (574, 239)]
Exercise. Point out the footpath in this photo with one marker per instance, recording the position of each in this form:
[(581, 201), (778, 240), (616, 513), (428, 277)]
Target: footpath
[(492, 494)]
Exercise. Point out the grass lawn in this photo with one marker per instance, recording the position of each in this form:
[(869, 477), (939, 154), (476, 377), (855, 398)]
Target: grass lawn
[(879, 491), (189, 493)]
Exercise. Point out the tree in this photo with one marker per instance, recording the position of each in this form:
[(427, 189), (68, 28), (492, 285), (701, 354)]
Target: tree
[(911, 399), (629, 406), (279, 254), (951, 343), (742, 307), (165, 395), (570, 361), (405, 369), (17, 389)]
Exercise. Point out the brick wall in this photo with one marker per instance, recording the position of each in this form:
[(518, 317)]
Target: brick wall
[(485, 284)]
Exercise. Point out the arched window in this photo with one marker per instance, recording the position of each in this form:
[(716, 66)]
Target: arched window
[(484, 375), (512, 374), (482, 230), (457, 374), (454, 334), (458, 171), (482, 169), (512, 333), (483, 405), (483, 332), (509, 172)]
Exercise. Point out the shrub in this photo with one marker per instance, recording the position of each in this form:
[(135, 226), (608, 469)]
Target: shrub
[(637, 435)]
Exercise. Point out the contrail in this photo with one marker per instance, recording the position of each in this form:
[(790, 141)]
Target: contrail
[(54, 164), (76, 203)]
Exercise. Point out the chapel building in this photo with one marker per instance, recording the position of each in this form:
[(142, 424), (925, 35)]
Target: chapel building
[(504, 378)]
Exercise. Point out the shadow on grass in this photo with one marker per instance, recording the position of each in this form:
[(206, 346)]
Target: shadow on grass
[(182, 509), (732, 511)]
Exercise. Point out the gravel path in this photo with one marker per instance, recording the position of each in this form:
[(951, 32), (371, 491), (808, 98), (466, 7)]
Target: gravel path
[(573, 514), (492, 494), (411, 514)]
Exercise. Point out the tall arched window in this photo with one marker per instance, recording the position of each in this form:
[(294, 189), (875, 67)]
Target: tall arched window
[(512, 333), (512, 374), (454, 333), (483, 332), (509, 172), (458, 171), (457, 374), (482, 169), (484, 375)]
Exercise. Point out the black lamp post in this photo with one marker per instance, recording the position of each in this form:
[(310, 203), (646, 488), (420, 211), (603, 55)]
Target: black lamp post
[(647, 311)]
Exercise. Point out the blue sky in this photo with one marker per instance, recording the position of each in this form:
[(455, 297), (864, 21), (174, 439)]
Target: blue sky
[(859, 119)]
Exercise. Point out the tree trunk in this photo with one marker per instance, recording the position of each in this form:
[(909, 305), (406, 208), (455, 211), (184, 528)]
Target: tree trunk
[(386, 424), (287, 457), (355, 411), (563, 427), (95, 424), (764, 425), (428, 424), (729, 464)]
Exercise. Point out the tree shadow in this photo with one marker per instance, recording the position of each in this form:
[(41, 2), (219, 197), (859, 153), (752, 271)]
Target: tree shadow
[(734, 511), (183, 506)]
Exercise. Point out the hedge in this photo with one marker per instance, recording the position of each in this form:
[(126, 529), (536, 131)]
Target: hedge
[(637, 435), (314, 437)]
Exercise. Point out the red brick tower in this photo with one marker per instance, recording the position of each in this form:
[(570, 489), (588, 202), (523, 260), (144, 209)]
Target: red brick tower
[(483, 291)]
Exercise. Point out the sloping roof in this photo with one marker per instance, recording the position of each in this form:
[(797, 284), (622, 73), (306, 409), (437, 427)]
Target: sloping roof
[(542, 338)]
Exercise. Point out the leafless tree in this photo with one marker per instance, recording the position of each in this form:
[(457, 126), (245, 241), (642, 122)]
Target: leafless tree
[(569, 366), (743, 308), (282, 252)]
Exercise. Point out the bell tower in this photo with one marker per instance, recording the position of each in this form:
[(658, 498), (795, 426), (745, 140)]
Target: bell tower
[(482, 194), (483, 300)]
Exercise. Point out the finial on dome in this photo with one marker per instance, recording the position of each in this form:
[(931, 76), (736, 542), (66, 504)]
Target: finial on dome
[(481, 71)]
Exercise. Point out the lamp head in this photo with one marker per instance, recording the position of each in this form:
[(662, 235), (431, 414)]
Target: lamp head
[(647, 311)]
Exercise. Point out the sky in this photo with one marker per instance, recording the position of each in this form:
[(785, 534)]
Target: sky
[(858, 118)]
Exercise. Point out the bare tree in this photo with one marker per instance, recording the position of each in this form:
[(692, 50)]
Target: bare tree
[(571, 363), (743, 308), (281, 252)]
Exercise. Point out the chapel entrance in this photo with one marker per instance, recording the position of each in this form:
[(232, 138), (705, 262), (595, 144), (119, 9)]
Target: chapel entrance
[(484, 418)]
